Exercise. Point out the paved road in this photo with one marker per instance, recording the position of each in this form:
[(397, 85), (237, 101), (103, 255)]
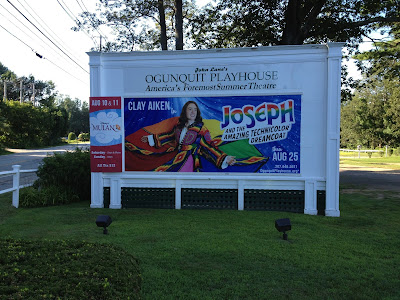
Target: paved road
[(370, 178), (28, 159)]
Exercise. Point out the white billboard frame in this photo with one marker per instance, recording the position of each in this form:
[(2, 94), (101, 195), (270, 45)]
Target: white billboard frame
[(312, 71)]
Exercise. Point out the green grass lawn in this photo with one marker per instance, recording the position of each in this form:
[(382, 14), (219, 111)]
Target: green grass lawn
[(200, 254)]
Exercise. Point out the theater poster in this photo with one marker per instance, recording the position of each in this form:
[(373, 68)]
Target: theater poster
[(106, 133), (248, 134)]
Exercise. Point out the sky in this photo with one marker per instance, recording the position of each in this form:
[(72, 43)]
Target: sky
[(64, 61)]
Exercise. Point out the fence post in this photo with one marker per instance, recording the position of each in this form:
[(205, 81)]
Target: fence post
[(15, 197), (178, 194), (240, 195)]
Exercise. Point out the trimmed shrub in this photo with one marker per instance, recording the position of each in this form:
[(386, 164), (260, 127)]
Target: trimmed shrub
[(84, 137), (29, 197), (62, 179), (68, 172), (66, 270), (71, 136), (51, 195)]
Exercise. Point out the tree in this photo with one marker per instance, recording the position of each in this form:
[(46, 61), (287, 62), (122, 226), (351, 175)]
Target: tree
[(240, 23), (179, 24), (3, 68), (28, 126), (384, 59), (163, 25), (7, 77), (44, 91), (47, 93), (140, 24), (78, 115), (372, 117)]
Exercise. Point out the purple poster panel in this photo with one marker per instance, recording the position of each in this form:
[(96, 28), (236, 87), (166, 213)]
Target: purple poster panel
[(247, 134)]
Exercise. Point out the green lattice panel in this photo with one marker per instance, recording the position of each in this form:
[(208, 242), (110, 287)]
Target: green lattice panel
[(148, 197), (274, 200), (209, 198)]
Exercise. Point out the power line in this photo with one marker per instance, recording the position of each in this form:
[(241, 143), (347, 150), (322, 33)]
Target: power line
[(18, 39), (75, 20), (47, 37), (39, 55), (19, 22), (43, 24), (64, 70), (44, 42), (91, 19)]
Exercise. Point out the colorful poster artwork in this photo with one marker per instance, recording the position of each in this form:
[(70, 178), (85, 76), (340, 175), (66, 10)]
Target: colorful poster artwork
[(247, 134), (105, 134)]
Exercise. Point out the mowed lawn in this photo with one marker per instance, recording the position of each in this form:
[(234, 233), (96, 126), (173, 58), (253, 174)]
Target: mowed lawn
[(214, 254), (376, 161)]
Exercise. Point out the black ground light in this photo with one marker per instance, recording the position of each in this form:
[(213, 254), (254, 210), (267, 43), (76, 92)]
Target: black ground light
[(103, 221), (283, 225)]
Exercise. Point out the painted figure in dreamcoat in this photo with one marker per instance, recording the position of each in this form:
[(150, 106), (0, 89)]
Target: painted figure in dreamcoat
[(179, 144)]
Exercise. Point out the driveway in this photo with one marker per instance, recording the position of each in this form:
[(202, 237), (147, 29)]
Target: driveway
[(369, 178)]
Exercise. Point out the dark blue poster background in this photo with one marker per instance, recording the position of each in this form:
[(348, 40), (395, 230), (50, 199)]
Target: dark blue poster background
[(269, 125)]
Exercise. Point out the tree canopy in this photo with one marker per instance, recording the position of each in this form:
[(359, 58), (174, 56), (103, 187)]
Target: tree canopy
[(372, 117), (234, 23), (240, 23), (41, 122), (44, 91), (384, 59), (78, 115), (140, 24)]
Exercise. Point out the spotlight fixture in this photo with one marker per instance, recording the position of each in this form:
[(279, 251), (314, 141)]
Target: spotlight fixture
[(103, 221), (283, 225)]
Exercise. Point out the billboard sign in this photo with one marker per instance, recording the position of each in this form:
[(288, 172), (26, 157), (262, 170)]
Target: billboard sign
[(247, 134)]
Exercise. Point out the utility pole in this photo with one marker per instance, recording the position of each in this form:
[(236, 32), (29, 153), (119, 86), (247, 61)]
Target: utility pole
[(33, 93), (5, 90), (21, 91)]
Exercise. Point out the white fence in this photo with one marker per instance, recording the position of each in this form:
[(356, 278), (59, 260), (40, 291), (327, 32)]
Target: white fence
[(363, 151), (16, 186)]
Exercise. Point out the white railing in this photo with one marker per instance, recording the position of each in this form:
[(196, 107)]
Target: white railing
[(16, 174)]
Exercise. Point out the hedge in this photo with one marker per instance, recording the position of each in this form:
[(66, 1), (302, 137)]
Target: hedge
[(66, 270)]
